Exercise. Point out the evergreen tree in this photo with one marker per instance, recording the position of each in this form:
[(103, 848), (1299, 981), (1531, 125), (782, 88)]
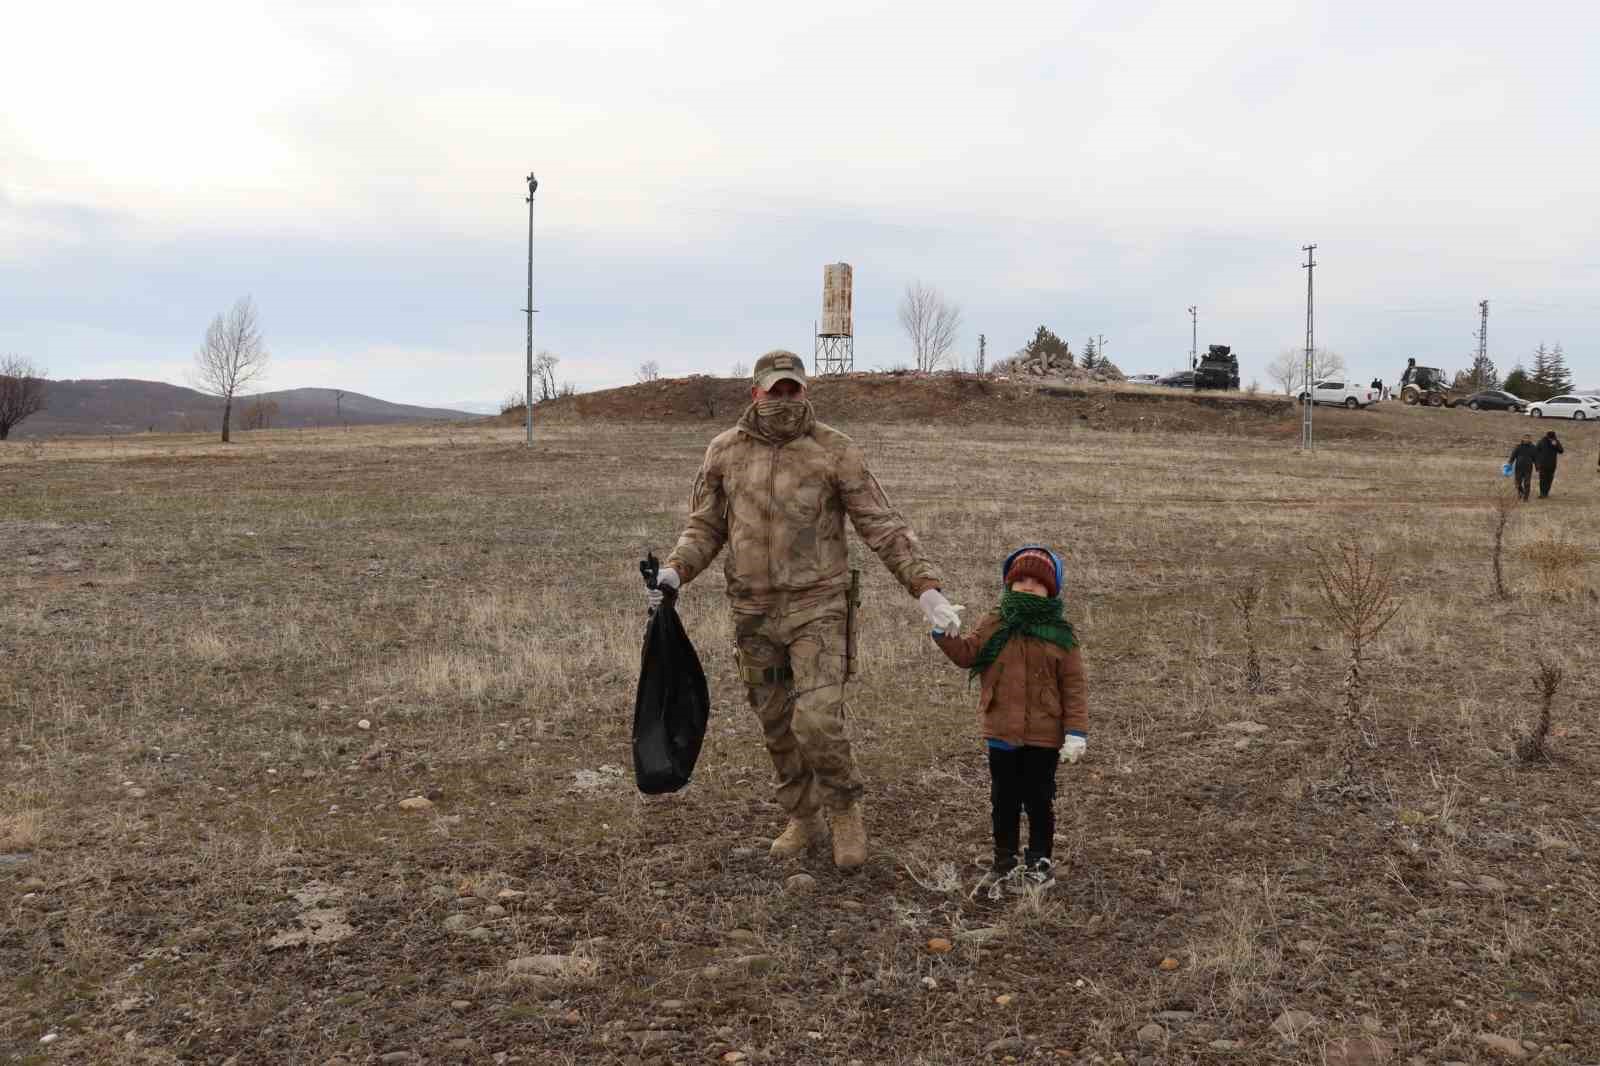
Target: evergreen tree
[(1520, 385), (1048, 346), (1091, 356), (1483, 374), (1560, 375), (1539, 376)]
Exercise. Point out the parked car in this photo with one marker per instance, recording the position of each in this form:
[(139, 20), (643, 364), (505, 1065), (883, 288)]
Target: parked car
[(1145, 379), (1494, 400), (1342, 394), (1183, 379), (1577, 407)]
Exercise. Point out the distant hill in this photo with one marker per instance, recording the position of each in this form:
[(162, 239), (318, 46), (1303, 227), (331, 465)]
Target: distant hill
[(123, 405)]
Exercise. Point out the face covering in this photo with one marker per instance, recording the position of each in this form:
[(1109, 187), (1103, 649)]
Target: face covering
[(783, 420)]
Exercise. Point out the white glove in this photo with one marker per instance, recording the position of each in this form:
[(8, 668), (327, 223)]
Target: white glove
[(667, 578), (943, 616), (1072, 748)]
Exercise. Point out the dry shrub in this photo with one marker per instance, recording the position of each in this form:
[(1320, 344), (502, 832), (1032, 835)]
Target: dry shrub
[(1358, 594), (1246, 596), (1505, 505), (1535, 746), (1555, 560)]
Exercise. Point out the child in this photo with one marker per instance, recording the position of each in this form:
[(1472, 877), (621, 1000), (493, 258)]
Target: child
[(1033, 708)]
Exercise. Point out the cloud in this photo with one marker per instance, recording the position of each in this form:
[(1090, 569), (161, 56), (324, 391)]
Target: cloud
[(358, 169)]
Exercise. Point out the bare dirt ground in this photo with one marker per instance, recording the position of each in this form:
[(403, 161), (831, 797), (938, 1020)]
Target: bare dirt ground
[(204, 857)]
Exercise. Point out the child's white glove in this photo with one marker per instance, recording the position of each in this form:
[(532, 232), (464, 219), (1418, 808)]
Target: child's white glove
[(1072, 747), (667, 578), (943, 616)]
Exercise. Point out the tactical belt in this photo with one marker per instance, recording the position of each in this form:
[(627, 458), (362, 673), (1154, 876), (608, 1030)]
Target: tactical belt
[(771, 675)]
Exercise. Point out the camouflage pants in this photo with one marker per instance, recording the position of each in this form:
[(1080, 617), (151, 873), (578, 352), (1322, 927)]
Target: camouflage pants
[(794, 665)]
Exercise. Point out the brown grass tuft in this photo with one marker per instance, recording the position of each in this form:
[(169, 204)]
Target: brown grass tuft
[(1555, 560)]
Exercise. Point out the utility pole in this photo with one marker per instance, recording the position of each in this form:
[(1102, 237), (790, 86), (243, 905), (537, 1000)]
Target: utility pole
[(1305, 419), (1100, 351), (527, 396), (1483, 342), (983, 345), (1194, 335)]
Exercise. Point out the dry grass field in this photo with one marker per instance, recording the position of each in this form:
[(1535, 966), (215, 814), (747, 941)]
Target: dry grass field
[(222, 670)]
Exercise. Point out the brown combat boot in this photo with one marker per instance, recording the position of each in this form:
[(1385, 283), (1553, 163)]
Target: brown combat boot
[(801, 832), (849, 837)]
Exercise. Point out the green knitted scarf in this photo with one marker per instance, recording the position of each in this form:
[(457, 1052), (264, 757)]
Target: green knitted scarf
[(1032, 616)]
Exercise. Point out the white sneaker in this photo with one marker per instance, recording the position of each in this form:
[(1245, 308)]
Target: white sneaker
[(1037, 877)]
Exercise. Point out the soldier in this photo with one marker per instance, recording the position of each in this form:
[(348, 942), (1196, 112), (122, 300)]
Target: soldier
[(776, 489)]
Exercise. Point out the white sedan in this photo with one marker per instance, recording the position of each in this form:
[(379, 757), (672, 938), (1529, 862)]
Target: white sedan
[(1575, 407)]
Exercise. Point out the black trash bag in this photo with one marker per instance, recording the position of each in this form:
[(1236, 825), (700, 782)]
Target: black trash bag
[(672, 705)]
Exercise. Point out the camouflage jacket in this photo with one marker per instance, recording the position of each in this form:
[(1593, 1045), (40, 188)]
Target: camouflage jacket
[(780, 509)]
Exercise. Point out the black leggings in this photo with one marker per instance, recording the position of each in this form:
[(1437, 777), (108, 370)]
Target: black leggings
[(1546, 479), (1023, 777)]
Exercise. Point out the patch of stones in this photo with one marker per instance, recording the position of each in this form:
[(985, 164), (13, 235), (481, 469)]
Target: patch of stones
[(322, 918), (478, 915)]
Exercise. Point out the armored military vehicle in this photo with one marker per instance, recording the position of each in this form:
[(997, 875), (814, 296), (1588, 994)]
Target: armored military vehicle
[(1218, 369)]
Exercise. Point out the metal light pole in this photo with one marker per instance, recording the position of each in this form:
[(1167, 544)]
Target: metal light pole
[(527, 396), (1310, 265), (1194, 334)]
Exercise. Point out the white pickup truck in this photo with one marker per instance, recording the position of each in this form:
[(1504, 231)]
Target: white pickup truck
[(1341, 393)]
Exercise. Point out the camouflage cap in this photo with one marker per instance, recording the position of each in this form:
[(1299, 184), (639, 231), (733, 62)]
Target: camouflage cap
[(777, 365)]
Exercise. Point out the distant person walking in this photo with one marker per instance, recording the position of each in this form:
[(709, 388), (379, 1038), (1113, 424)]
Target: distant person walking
[(1521, 461), (1545, 459)]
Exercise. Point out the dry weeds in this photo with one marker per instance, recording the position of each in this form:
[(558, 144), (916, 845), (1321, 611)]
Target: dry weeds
[(190, 636)]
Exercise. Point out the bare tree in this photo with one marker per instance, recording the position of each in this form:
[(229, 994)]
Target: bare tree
[(1325, 363), (544, 376), (1286, 369), (740, 370), (649, 370), (233, 355), (22, 391), (931, 322)]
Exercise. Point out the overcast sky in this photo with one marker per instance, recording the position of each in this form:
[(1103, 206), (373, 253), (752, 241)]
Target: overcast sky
[(359, 170)]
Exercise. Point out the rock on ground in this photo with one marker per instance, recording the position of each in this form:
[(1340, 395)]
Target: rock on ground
[(1291, 1023), (1503, 1045), (548, 966)]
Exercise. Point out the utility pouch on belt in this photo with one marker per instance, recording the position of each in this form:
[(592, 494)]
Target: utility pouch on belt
[(759, 676), (851, 627)]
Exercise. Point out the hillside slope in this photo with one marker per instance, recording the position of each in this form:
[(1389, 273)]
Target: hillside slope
[(965, 400), (123, 405)]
